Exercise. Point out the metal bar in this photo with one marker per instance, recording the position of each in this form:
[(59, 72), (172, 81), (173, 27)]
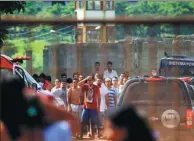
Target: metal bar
[(118, 20)]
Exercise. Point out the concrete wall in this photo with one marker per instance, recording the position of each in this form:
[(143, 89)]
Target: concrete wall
[(136, 57)]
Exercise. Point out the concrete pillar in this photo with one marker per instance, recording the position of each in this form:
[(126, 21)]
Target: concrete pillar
[(104, 55), (188, 48), (79, 48), (160, 52), (127, 51), (192, 48), (46, 61), (54, 63), (176, 46), (145, 55), (137, 57), (29, 62), (152, 48)]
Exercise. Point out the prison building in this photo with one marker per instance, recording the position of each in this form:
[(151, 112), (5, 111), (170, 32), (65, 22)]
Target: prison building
[(95, 9)]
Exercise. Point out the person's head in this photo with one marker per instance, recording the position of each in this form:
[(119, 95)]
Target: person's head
[(48, 78), (57, 83), (69, 82), (42, 77), (122, 76), (90, 80), (36, 77), (75, 75), (75, 83), (97, 75), (108, 82), (97, 65), (120, 128), (99, 81), (63, 84), (115, 81), (17, 106), (125, 80), (81, 77), (63, 77), (109, 65)]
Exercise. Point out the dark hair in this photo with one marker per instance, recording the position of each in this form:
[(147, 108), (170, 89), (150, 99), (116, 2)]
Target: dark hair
[(136, 127), (123, 73), (116, 77), (97, 63), (58, 79), (69, 80), (63, 74), (15, 110), (35, 76), (75, 73), (109, 63), (42, 75), (48, 78)]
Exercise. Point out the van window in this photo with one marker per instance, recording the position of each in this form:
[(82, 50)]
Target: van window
[(191, 92), (158, 91), (20, 73), (176, 68)]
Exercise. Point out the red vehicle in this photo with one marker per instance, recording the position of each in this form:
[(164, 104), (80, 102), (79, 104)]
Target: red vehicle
[(13, 64)]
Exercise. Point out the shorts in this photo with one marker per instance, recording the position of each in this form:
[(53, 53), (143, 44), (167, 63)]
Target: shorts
[(101, 117), (110, 111), (89, 115), (76, 111)]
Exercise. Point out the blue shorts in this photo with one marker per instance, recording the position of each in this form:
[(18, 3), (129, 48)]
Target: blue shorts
[(89, 115)]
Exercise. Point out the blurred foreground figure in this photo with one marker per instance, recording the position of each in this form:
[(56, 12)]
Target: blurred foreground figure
[(126, 125), (24, 117)]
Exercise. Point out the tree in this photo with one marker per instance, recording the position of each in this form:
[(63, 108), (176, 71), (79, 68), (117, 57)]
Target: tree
[(9, 7), (157, 9)]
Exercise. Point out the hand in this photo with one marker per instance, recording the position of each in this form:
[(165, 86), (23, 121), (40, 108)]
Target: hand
[(69, 109), (98, 108), (89, 77)]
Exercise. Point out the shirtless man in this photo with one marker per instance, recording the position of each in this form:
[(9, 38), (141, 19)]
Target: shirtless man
[(73, 100)]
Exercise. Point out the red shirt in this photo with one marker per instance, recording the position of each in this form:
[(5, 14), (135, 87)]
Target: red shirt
[(45, 85), (91, 95)]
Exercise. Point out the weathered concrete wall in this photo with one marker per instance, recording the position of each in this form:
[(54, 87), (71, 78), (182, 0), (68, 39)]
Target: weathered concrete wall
[(136, 57)]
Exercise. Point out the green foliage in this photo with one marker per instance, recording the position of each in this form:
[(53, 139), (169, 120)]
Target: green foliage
[(9, 7), (56, 10), (37, 54), (120, 7), (158, 9), (161, 9)]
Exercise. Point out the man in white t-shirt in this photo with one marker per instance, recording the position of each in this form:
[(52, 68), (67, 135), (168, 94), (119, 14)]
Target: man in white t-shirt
[(110, 73), (101, 114)]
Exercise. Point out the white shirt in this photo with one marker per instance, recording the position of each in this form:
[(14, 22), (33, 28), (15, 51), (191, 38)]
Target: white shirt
[(61, 93), (103, 92), (53, 89), (108, 74)]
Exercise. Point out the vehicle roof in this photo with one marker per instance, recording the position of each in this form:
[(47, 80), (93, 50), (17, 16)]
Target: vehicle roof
[(6, 57), (178, 59)]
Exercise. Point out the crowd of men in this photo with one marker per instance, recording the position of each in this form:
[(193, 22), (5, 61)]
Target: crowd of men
[(90, 99)]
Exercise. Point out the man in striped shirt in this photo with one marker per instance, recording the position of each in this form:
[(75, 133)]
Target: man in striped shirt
[(111, 97)]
